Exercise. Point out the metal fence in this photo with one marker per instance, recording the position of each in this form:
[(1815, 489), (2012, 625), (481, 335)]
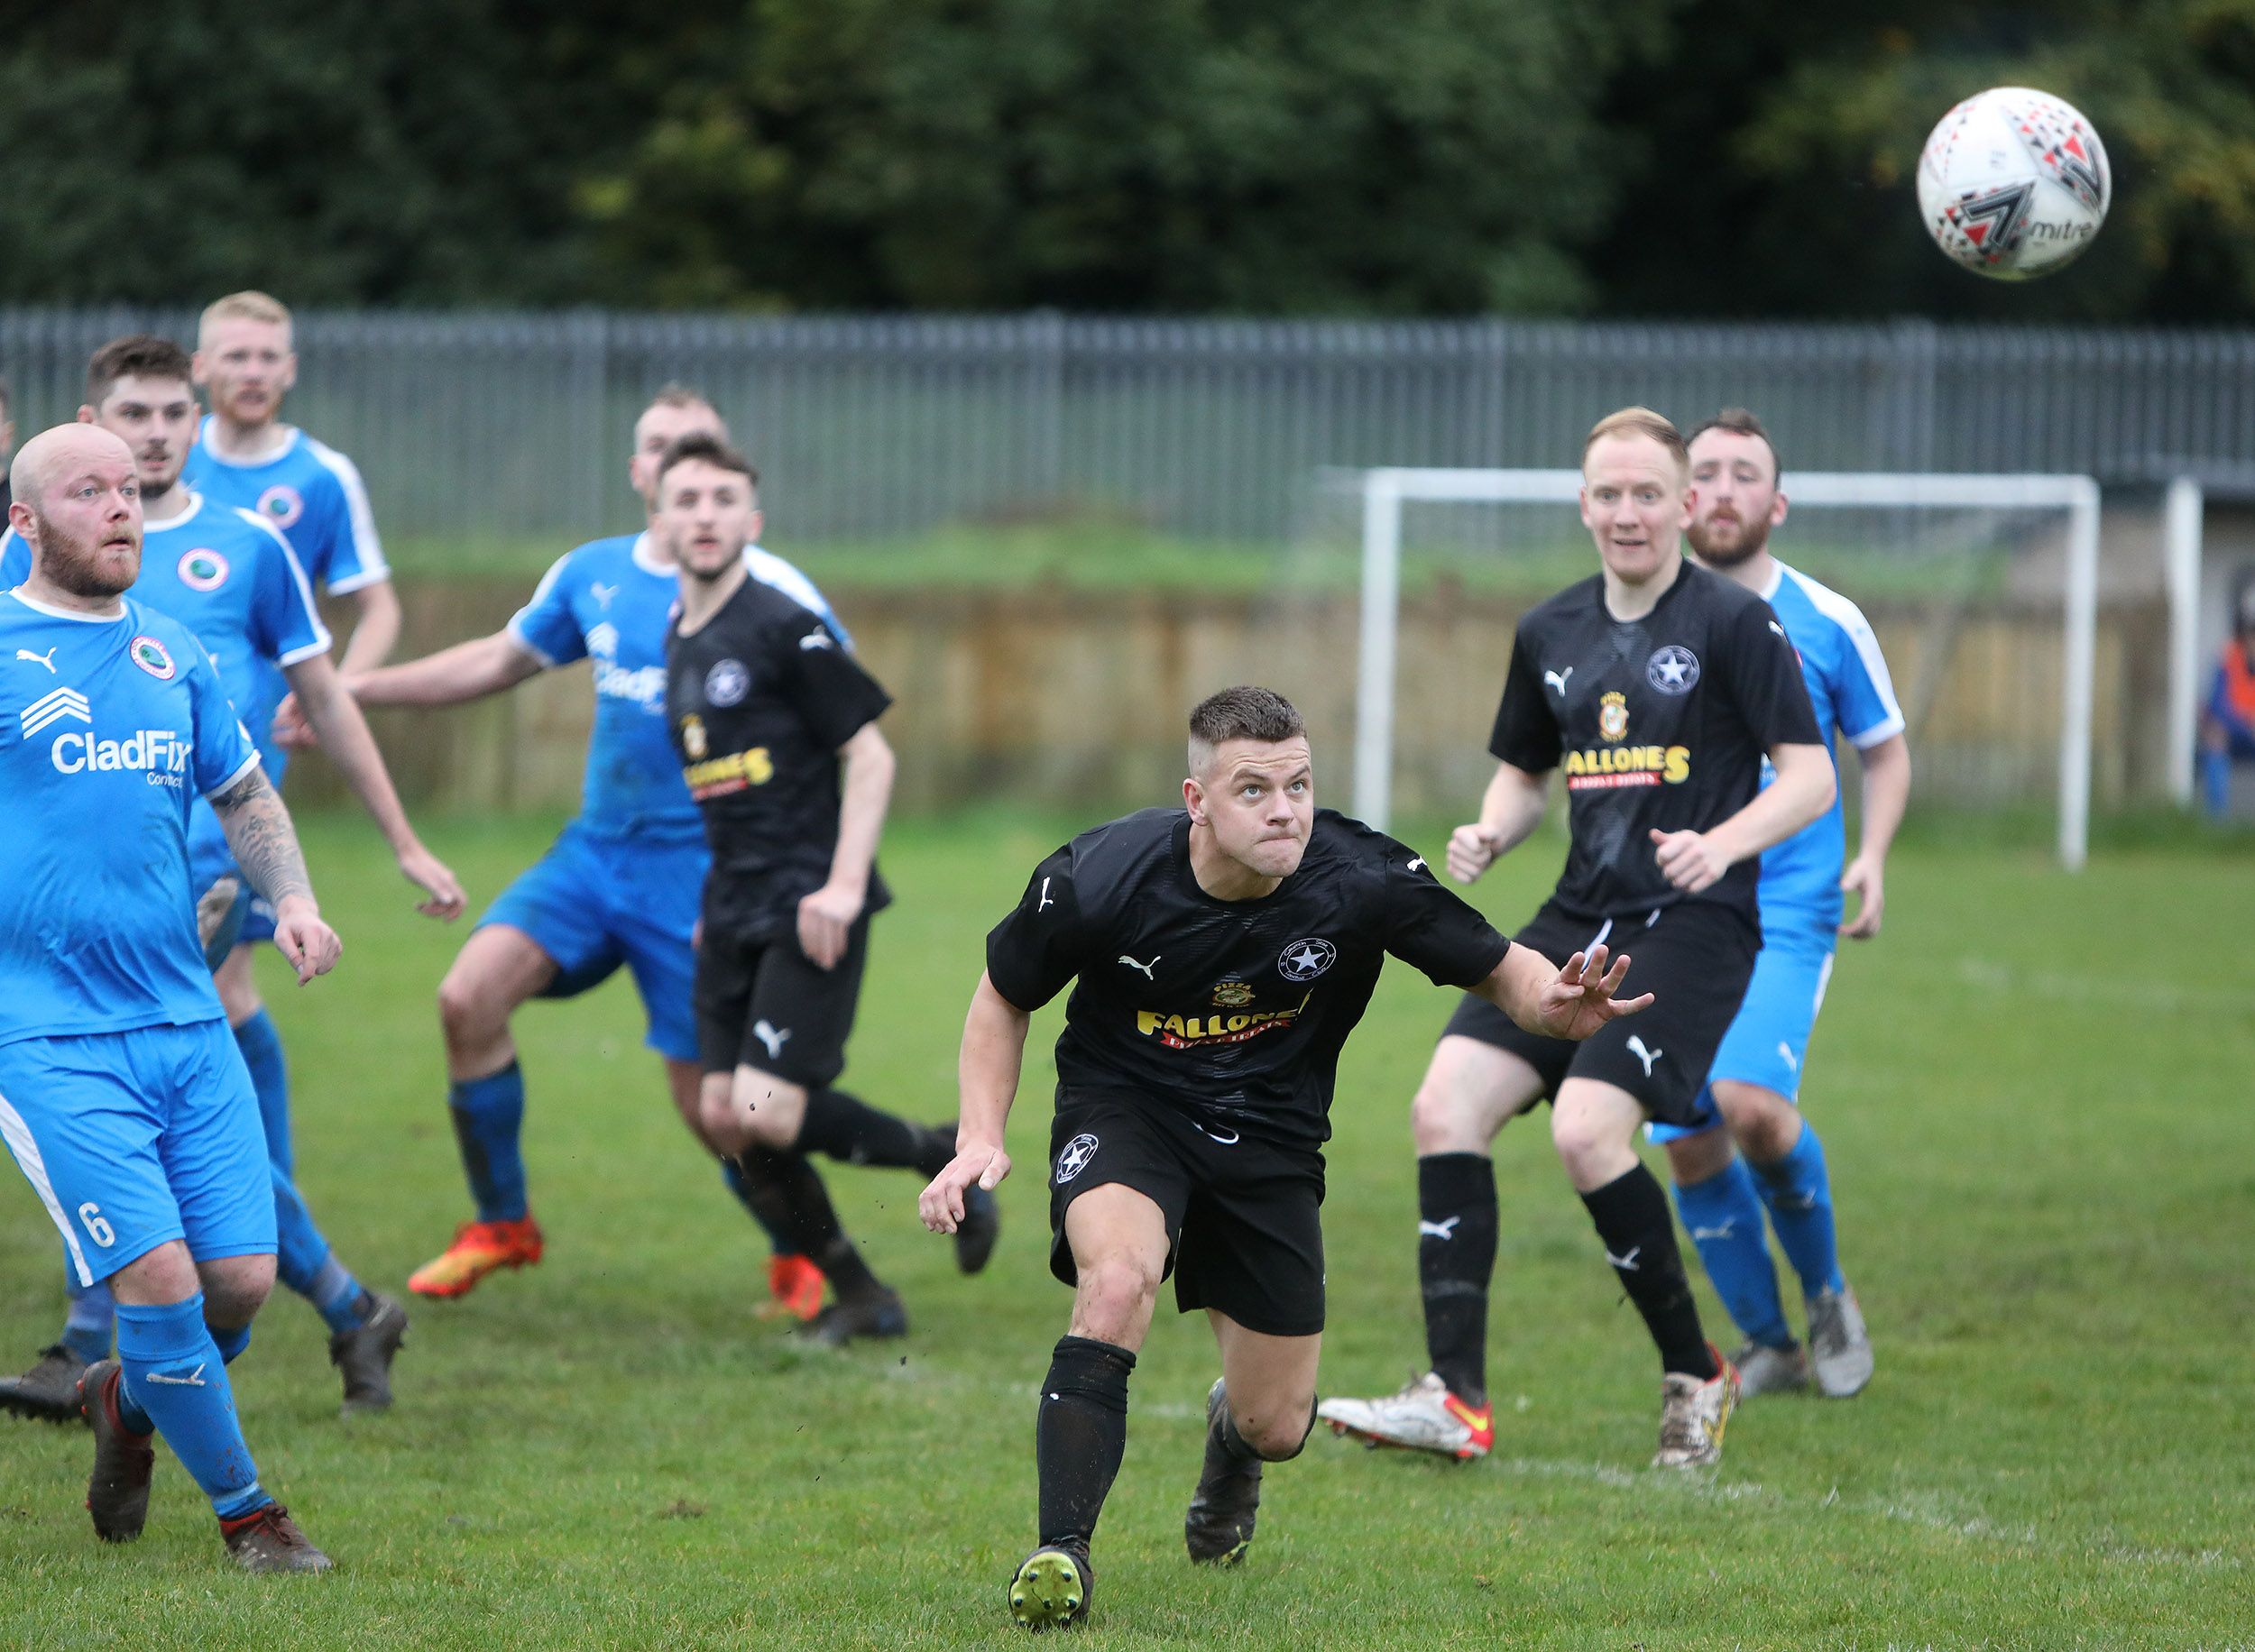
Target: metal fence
[(515, 426)]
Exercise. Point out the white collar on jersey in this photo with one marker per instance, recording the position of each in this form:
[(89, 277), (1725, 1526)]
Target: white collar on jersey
[(180, 518), (203, 440), (53, 612)]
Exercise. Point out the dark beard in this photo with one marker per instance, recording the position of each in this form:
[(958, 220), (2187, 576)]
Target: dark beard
[(1753, 535)]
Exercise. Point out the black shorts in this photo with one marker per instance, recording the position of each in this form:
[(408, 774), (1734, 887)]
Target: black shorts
[(764, 1004), (1695, 957), (1243, 1224)]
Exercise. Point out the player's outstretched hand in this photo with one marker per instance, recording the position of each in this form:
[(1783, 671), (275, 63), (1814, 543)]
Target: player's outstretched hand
[(1471, 851), (1689, 859), (1864, 878), (1581, 999), (292, 731), (428, 873), (941, 1205), (310, 945), (824, 919)]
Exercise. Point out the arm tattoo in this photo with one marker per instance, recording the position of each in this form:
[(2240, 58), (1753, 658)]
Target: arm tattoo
[(264, 842)]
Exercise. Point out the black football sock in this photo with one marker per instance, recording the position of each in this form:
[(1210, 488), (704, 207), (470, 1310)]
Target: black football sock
[(1639, 1239), (846, 1127), (791, 1200), (1080, 1436), (1456, 1261)]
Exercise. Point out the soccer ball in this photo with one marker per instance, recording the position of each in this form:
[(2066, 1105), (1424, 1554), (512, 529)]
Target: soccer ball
[(2014, 183)]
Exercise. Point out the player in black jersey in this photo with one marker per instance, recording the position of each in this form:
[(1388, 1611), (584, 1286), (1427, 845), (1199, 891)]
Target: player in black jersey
[(765, 709), (1659, 688), (1223, 952)]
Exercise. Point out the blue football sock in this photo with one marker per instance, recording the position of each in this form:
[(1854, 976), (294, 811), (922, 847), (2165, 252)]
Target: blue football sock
[(303, 1261), (2215, 783), (489, 1116), (732, 1173), (230, 1343), (1798, 1193), (175, 1382), (93, 1315), (1724, 1214), (261, 1050)]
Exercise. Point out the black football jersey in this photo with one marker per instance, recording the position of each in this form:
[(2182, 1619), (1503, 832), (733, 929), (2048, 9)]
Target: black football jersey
[(1232, 1010), (1659, 723), (759, 701)]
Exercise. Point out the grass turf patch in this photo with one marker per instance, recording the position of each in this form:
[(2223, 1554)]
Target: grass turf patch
[(2031, 1090)]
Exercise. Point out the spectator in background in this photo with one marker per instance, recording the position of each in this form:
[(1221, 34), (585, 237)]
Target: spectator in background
[(2227, 717)]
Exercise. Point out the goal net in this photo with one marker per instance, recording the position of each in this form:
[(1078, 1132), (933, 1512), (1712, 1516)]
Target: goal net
[(1982, 589)]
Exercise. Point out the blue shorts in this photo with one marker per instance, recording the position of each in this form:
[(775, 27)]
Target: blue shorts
[(593, 903), (1769, 1040), (133, 1139)]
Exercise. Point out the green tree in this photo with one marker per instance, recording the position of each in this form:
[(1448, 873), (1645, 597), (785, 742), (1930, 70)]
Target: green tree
[(1788, 146), (1178, 155)]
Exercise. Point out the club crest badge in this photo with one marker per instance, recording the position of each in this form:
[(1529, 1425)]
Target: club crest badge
[(727, 683), (281, 505), (1303, 961), (1672, 670), (1613, 717), (152, 657), (1075, 1158), (203, 569)]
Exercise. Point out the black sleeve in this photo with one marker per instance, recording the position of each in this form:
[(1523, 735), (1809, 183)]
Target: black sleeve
[(1763, 681), (825, 685), (1034, 953), (1428, 928), (1526, 734)]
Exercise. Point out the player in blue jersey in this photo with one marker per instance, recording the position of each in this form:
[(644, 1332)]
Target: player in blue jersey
[(621, 886), (122, 1098), (1753, 1086), (232, 579)]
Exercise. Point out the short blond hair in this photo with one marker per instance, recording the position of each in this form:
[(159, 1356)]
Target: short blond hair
[(245, 305), (1643, 422)]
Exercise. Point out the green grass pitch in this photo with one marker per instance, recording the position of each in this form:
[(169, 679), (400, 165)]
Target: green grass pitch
[(2035, 1093)]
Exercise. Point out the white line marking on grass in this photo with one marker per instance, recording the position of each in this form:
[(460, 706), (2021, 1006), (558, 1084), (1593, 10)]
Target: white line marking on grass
[(1990, 975)]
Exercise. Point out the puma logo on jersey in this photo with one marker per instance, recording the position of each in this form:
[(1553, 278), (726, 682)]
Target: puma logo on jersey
[(771, 1037), (1443, 1230), (1786, 1051), (1779, 630), (1046, 902), (1557, 679), (1417, 864), (46, 659), (1644, 1052), (817, 640), (1626, 1264), (1147, 968), (603, 595)]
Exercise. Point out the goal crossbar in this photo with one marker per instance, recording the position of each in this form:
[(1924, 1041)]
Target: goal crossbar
[(1384, 491)]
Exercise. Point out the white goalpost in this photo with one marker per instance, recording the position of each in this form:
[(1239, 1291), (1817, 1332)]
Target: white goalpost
[(1384, 491)]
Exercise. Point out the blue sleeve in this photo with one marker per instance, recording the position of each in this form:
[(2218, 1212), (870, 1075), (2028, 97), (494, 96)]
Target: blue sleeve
[(223, 745), (284, 623), (1862, 692), (351, 554), (15, 561), (546, 627)]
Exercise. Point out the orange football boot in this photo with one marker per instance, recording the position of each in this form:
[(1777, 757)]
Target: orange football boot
[(478, 1248), (794, 1288)]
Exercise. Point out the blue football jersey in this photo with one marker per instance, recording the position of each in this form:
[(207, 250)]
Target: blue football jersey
[(109, 727), (310, 491), (232, 579), (1850, 690), (611, 600)]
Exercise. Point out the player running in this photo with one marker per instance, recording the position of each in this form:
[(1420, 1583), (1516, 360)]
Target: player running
[(124, 1103), (620, 886), (232, 580), (1753, 1086), (1223, 952), (766, 709), (1658, 687)]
